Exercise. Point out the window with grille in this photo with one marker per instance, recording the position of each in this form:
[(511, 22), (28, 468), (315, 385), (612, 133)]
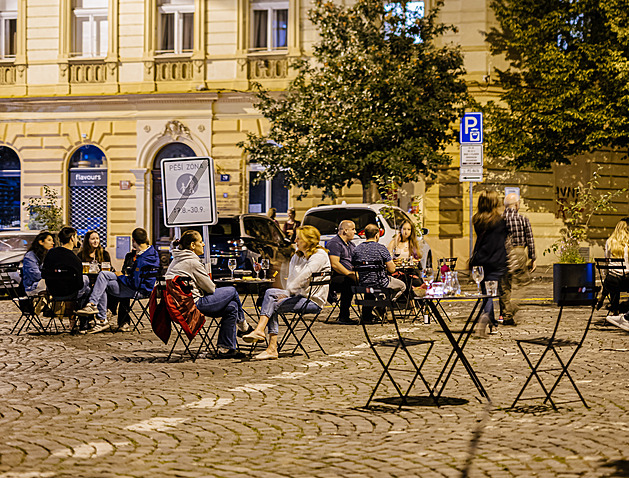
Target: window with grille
[(269, 26), (90, 28), (175, 27)]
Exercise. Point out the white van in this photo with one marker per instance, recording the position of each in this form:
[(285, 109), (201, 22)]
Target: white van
[(327, 218)]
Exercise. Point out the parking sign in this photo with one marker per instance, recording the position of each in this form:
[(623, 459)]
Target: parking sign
[(472, 128)]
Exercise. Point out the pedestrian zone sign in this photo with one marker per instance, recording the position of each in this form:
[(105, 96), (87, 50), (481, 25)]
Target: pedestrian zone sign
[(188, 191), (471, 128)]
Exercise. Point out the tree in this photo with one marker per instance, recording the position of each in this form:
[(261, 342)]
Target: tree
[(44, 212), (375, 103), (566, 90)]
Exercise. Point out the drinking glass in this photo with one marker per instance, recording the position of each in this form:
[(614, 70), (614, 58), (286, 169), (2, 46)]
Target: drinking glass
[(256, 267), (106, 266), (428, 275), (478, 275), (265, 263), (231, 263)]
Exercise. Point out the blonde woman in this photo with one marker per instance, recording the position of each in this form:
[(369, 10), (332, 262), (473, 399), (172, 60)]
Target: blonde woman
[(616, 247), (405, 244), (310, 258)]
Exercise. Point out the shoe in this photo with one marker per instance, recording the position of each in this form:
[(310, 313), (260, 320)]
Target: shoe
[(99, 328), (265, 356), (230, 354), (379, 315), (347, 321), (240, 332), (508, 322), (618, 321), (126, 327), (89, 309), (253, 337)]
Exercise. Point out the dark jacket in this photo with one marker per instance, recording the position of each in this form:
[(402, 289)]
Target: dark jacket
[(62, 285), (489, 250), (133, 264), (85, 258)]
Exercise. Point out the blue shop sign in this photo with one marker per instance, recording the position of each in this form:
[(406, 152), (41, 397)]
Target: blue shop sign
[(88, 177)]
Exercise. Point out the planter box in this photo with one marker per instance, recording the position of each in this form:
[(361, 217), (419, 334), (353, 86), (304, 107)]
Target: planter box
[(573, 275)]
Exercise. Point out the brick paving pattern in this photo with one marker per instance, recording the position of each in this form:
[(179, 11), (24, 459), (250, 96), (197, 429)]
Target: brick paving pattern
[(108, 405)]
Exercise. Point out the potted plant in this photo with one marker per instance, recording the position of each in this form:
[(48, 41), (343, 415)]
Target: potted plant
[(44, 212), (572, 269)]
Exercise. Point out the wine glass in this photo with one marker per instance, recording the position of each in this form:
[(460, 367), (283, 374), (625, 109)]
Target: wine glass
[(231, 263), (478, 275), (265, 263), (428, 275), (256, 267)]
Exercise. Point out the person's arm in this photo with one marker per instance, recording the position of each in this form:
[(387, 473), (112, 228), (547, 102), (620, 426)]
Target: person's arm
[(202, 278), (392, 244), (530, 243), (316, 263), (30, 268), (390, 267)]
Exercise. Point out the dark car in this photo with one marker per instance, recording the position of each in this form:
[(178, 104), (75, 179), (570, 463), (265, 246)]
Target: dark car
[(246, 237)]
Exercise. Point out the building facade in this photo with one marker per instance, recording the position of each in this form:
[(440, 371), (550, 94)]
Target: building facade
[(96, 92)]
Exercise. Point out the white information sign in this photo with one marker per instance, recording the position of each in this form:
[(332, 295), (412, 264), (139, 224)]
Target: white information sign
[(188, 191), (472, 174), (471, 155)]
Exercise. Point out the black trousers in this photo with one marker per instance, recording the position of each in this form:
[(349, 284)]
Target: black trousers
[(614, 285), (343, 285)]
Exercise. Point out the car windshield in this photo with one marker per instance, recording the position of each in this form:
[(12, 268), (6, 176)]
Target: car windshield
[(327, 220), (394, 217), (15, 243), (226, 226)]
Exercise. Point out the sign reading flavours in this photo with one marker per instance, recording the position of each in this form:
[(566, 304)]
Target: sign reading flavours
[(88, 177), (188, 191)]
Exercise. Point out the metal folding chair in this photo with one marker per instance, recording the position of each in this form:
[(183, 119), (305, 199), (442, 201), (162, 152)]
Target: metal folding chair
[(609, 266), (364, 267), (448, 261), (570, 296), (140, 299), (373, 297), (26, 305), (299, 322), (61, 306)]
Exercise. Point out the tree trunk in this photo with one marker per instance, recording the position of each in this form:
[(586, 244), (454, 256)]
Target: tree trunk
[(369, 192)]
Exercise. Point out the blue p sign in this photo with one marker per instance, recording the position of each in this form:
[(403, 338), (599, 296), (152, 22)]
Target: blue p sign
[(472, 128)]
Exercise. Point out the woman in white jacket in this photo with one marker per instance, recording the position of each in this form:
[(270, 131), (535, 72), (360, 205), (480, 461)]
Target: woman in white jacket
[(221, 302), (310, 258)]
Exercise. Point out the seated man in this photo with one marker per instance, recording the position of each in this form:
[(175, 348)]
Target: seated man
[(340, 249), (122, 286), (371, 250), (64, 258)]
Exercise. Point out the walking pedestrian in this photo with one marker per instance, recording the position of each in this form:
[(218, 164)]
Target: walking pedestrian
[(520, 256)]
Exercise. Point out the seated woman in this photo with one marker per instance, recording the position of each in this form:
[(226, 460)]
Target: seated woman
[(33, 262), (616, 247), (91, 250), (221, 302), (405, 245), (310, 258)]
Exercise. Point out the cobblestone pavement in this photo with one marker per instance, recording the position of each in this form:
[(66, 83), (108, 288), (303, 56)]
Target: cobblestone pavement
[(109, 405)]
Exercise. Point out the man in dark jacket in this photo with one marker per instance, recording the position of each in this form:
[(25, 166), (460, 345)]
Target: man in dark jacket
[(123, 285)]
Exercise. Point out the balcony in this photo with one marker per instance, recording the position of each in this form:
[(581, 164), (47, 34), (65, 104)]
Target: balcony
[(8, 74), (173, 69), (88, 72), (267, 68)]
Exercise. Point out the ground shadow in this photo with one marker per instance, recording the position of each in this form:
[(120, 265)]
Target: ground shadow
[(621, 468), (531, 409), (422, 401)]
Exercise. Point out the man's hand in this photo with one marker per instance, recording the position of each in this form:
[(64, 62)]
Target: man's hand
[(532, 266), (353, 275)]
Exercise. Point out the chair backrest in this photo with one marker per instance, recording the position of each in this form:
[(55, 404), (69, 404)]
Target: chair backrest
[(57, 280), (364, 268), (605, 265), (13, 290), (450, 262), (577, 296), (317, 280)]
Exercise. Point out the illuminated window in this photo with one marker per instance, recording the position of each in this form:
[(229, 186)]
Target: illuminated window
[(175, 26), (90, 28), (269, 26), (8, 28)]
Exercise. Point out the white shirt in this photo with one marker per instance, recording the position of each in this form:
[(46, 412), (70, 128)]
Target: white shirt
[(301, 270)]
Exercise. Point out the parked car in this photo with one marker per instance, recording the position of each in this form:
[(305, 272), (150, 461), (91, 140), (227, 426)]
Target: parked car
[(246, 237), (13, 246), (388, 218)]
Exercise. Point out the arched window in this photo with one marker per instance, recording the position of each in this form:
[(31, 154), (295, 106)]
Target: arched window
[(162, 234), (88, 190), (9, 189)]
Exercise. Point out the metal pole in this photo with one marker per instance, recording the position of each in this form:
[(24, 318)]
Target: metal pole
[(207, 253), (471, 225)]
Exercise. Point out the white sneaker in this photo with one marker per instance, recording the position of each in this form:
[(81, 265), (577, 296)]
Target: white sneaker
[(89, 309), (242, 326), (618, 321), (99, 328)]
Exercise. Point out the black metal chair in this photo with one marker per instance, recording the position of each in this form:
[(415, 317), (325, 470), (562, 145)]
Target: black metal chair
[(299, 322), (62, 305), (27, 305), (448, 261), (140, 299), (363, 268), (570, 296), (372, 297), (610, 268)]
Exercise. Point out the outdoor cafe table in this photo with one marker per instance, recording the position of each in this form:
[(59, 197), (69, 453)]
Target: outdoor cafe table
[(457, 343), (250, 288)]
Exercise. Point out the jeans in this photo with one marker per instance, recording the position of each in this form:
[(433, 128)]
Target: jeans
[(107, 283), (273, 304), (224, 303), (488, 306)]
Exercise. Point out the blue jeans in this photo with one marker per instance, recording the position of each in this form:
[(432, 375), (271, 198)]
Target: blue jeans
[(107, 283), (488, 307), (273, 304), (224, 303)]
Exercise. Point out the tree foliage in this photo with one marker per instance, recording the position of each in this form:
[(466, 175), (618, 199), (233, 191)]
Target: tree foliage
[(44, 212), (376, 101), (566, 90)]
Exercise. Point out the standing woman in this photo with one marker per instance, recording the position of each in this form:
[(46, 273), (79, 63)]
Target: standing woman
[(33, 261), (489, 250), (291, 225), (616, 247), (91, 250), (221, 302), (309, 258)]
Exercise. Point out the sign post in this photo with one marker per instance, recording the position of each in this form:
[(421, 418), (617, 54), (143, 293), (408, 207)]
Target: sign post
[(190, 195), (471, 139)]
